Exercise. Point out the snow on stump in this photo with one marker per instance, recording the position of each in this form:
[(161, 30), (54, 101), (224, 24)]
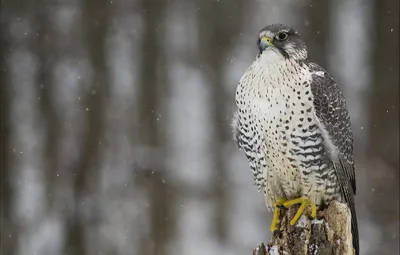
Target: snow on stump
[(328, 234)]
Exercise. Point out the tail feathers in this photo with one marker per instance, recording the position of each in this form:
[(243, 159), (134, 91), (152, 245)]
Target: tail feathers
[(349, 198), (354, 226), (348, 188)]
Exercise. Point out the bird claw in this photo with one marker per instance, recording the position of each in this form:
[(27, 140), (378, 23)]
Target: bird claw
[(304, 202), (282, 203), (278, 205)]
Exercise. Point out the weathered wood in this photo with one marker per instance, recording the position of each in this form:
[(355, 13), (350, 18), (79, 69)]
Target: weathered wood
[(328, 234)]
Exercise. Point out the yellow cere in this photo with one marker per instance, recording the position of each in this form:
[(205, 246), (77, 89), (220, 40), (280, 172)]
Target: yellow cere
[(267, 40)]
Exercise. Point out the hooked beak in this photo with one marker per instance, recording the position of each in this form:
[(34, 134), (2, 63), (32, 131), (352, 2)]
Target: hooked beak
[(265, 42)]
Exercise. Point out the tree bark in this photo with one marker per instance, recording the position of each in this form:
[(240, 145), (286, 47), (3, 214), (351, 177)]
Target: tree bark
[(328, 234)]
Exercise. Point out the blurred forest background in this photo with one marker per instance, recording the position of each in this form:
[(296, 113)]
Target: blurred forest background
[(115, 121)]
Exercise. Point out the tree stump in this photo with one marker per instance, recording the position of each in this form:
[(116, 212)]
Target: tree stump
[(328, 234)]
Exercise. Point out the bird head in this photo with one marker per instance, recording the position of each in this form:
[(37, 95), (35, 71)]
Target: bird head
[(282, 40)]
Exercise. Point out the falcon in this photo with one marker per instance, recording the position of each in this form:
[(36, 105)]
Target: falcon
[(293, 125)]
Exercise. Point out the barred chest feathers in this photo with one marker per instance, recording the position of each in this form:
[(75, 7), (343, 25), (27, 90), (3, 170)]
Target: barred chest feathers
[(279, 132)]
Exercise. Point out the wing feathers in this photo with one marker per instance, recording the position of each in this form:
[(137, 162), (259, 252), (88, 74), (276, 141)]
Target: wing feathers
[(331, 111)]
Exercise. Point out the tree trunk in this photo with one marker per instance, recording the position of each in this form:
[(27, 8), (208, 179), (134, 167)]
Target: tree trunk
[(328, 234)]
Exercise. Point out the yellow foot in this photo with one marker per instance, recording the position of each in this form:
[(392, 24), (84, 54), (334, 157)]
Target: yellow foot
[(304, 202), (277, 213)]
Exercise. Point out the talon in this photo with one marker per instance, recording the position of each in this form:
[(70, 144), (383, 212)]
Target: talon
[(277, 213), (304, 202), (280, 207)]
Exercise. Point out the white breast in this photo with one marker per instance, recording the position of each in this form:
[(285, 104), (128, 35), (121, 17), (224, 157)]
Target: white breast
[(270, 91)]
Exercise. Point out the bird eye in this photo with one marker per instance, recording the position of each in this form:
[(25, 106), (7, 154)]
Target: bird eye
[(281, 36)]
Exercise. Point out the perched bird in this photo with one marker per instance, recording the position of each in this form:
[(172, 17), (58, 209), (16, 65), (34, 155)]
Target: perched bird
[(293, 124)]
